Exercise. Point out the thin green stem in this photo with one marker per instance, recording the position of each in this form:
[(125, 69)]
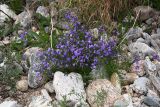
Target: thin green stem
[(51, 36)]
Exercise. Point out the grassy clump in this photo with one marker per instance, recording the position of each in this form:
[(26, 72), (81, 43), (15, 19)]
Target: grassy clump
[(95, 12), (92, 12)]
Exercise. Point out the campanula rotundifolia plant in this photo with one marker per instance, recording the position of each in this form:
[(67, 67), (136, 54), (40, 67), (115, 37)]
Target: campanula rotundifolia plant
[(77, 48)]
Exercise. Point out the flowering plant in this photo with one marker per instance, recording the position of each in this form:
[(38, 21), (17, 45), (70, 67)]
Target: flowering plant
[(77, 48)]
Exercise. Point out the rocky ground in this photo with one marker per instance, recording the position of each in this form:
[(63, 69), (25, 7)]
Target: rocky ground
[(139, 87)]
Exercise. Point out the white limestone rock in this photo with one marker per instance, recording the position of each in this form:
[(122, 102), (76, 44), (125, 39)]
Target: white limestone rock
[(43, 100), (10, 104), (69, 86), (43, 11), (5, 8), (24, 18), (143, 48), (22, 85), (49, 87), (141, 85)]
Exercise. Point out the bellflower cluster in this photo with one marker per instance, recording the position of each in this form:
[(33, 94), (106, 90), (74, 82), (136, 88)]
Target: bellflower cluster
[(77, 48), (22, 36), (155, 57), (137, 62)]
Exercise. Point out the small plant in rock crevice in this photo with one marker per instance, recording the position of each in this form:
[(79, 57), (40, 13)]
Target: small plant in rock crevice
[(100, 98), (9, 68), (62, 103)]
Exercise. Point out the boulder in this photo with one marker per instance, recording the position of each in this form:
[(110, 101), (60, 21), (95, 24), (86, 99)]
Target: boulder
[(137, 102), (145, 12), (49, 87), (101, 93), (35, 79), (150, 42), (155, 36), (41, 101), (151, 101), (43, 11), (158, 30), (138, 68), (140, 40), (141, 85), (134, 33), (70, 87), (115, 80), (141, 48), (150, 66), (149, 21), (121, 103), (5, 12), (22, 85), (125, 101), (24, 18), (10, 104), (29, 56), (129, 78)]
